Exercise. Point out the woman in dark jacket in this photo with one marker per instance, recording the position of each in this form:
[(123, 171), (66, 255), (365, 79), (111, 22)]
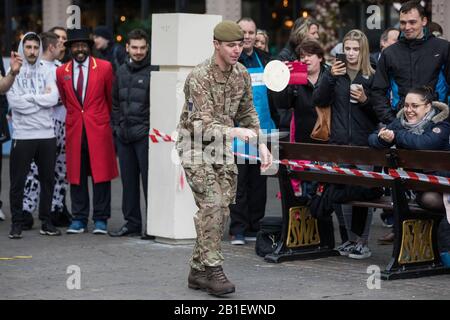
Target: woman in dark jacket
[(300, 97), (421, 125), (346, 89), (303, 29), (352, 116)]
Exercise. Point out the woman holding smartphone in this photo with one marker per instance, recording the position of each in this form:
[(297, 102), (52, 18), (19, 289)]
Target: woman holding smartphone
[(346, 88)]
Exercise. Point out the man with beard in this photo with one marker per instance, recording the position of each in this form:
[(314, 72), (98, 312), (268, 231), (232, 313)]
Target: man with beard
[(85, 85), (59, 214), (130, 120), (31, 99)]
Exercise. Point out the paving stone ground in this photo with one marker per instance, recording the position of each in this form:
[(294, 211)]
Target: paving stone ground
[(134, 269)]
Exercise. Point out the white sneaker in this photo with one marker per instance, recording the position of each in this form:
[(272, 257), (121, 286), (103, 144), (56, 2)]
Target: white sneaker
[(361, 251), (2, 215), (345, 248), (238, 240)]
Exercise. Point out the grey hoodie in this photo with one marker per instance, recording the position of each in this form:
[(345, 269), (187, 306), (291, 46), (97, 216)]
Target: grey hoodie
[(31, 100)]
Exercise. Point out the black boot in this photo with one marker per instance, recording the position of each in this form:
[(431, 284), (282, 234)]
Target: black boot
[(28, 221)]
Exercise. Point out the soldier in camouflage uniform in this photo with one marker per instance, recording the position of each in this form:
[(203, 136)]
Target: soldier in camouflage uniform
[(218, 94)]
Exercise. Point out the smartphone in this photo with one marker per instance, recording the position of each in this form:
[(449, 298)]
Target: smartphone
[(341, 57)]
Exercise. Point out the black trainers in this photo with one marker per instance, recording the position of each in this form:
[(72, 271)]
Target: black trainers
[(48, 229), (28, 221), (16, 231), (61, 219)]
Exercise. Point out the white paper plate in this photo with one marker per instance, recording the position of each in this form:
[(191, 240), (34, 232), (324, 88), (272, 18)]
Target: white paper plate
[(276, 76)]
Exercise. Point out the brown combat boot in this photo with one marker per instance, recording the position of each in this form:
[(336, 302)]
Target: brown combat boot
[(217, 282), (197, 279)]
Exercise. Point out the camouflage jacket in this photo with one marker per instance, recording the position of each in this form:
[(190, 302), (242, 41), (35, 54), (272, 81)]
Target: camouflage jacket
[(215, 103)]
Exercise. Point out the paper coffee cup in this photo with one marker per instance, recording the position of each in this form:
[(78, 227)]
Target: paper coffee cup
[(354, 87)]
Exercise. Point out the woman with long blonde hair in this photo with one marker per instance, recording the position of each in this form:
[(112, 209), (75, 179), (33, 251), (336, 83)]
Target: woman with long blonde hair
[(346, 88), (363, 58)]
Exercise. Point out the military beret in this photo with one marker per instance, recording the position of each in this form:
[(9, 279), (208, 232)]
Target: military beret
[(228, 31)]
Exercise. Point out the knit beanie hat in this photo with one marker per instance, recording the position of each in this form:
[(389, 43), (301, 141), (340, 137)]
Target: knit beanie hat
[(104, 32)]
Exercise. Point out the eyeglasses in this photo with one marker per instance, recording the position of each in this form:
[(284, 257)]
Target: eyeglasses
[(413, 106)]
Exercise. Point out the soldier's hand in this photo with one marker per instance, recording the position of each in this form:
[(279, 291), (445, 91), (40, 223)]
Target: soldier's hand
[(243, 134), (266, 157)]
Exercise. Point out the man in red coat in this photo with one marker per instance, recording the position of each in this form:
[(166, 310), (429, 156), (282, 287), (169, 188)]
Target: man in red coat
[(85, 85)]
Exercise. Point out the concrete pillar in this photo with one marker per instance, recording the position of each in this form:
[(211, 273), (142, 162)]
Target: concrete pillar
[(179, 43), (229, 10), (441, 14), (54, 13)]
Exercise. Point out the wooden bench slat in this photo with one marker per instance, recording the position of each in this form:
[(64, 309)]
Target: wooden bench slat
[(425, 186), (418, 159), (332, 153), (386, 204), (365, 181), (425, 160), (339, 178)]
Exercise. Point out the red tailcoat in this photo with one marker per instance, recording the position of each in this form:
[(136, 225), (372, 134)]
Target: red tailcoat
[(94, 114)]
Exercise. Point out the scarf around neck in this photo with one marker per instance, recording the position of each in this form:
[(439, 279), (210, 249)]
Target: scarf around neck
[(419, 127)]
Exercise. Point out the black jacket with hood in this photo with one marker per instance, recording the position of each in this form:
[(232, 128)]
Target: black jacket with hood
[(351, 123)]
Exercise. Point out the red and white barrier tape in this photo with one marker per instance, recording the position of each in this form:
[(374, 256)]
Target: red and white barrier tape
[(329, 169), (158, 137), (396, 173)]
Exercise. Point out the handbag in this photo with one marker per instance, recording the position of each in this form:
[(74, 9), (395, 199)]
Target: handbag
[(321, 130), (268, 236)]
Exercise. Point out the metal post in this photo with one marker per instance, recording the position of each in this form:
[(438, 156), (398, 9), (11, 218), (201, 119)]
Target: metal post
[(181, 5), (8, 27), (265, 16), (145, 9), (387, 15), (296, 9), (110, 14)]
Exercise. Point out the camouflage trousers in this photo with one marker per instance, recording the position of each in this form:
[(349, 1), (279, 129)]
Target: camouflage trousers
[(214, 189)]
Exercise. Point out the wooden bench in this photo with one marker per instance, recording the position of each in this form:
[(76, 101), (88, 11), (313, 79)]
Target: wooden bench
[(415, 251)]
